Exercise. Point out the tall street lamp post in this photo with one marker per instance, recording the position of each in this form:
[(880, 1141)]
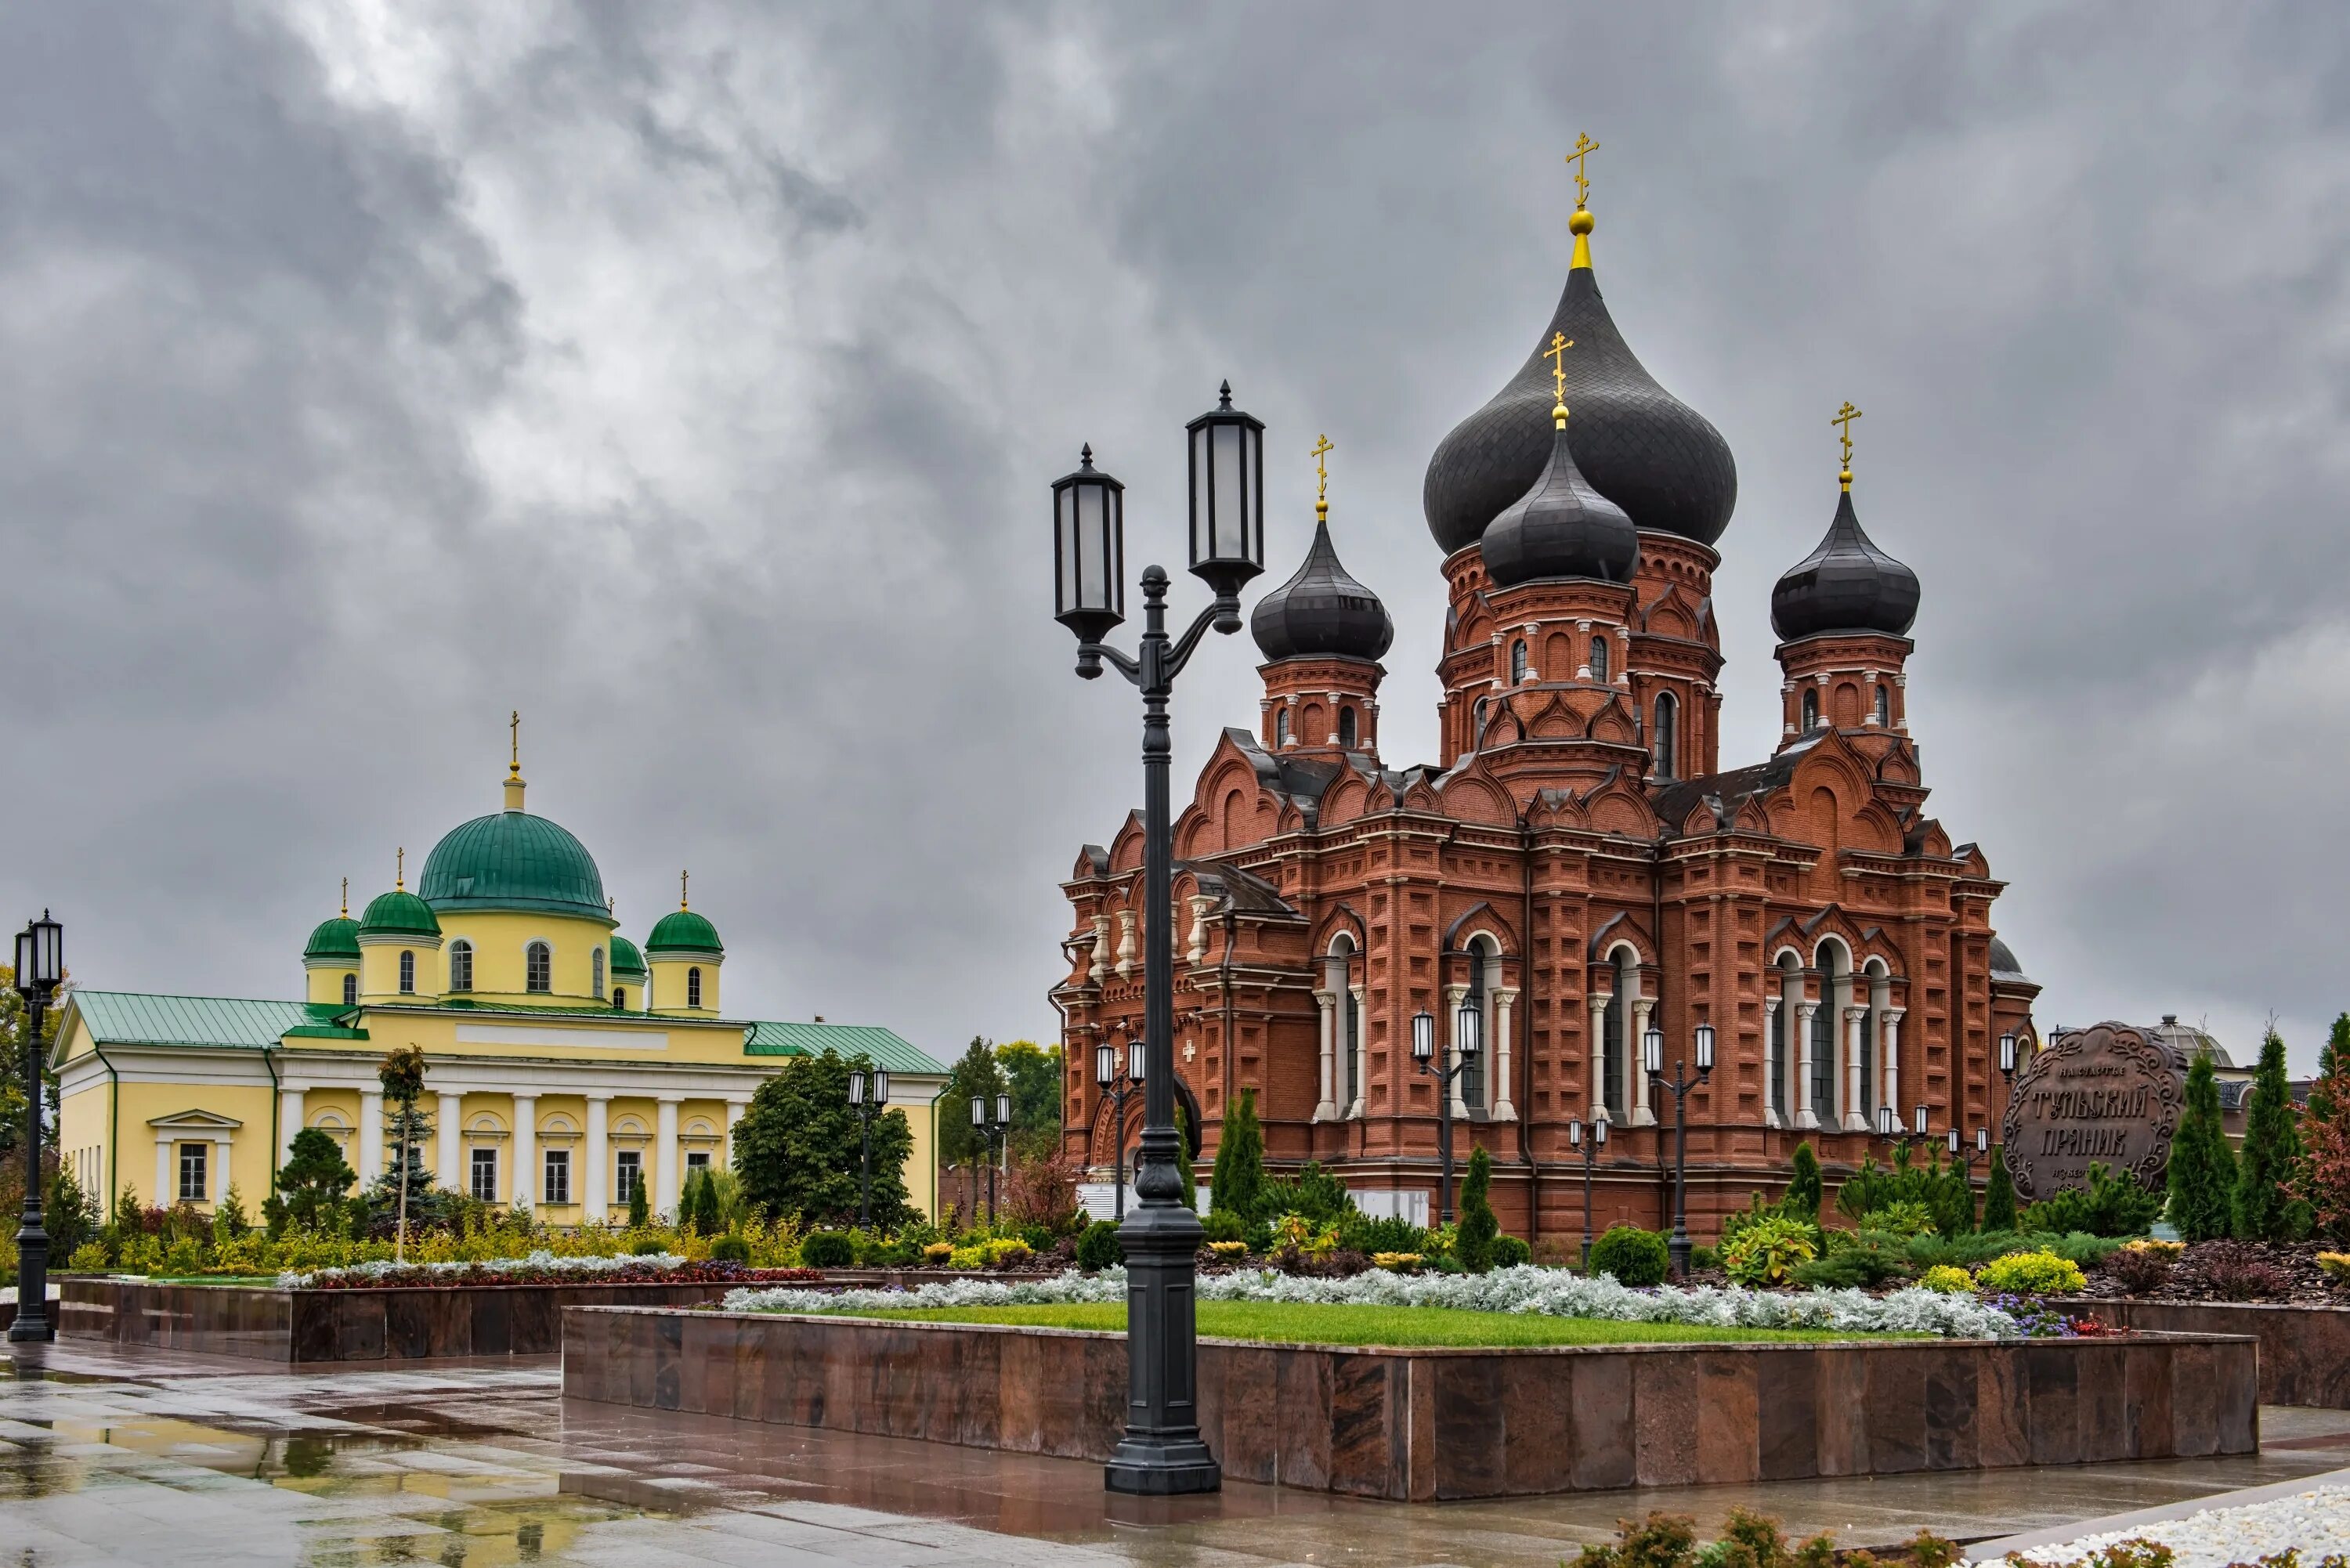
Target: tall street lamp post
[(1161, 1453), (1467, 1039), (1966, 1153), (1888, 1125), (40, 969), (993, 1130), (1590, 1145), (1118, 1088), (1680, 1083), (867, 1093)]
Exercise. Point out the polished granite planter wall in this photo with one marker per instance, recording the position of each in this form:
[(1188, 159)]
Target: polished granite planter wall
[(2304, 1351), (1444, 1423), (263, 1325)]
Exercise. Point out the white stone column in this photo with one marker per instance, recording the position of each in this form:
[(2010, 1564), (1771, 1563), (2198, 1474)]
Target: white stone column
[(1857, 1117), (1776, 1024), (1362, 1054), (1598, 1052), (167, 1188), (1450, 1028), (735, 1109), (1326, 1108), (1889, 1037), (665, 1156), (370, 1160), (448, 1165), (1807, 1115), (592, 1184), (522, 1181), (1504, 1111), (216, 1174), (289, 1120), (1636, 1061)]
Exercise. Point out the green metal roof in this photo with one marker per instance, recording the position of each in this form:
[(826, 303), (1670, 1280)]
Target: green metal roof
[(684, 931), (131, 1018), (625, 959), (337, 937), (883, 1047), (513, 860), (398, 912)]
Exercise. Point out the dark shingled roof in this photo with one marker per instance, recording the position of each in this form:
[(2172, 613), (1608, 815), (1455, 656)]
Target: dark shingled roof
[(1322, 610), (1561, 528), (1726, 791), (1846, 584)]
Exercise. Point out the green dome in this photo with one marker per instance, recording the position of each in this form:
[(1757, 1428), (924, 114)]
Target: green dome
[(625, 959), (683, 931), (335, 938), (398, 913), (513, 860)]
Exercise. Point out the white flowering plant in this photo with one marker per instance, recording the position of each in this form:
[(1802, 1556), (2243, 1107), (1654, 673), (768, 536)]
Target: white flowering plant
[(1551, 1293), (539, 1268)]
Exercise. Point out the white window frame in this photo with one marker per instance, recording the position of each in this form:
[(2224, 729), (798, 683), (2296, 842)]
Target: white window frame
[(195, 1158), (628, 1173), (407, 972), (556, 1162), (482, 1162), (461, 957), (538, 945)]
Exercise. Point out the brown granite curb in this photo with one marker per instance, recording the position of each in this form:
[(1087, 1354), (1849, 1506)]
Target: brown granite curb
[(1442, 1423), (2304, 1350)]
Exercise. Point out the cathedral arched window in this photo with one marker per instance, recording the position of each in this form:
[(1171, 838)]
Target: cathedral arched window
[(620, 997), (693, 987), (1346, 727), (1667, 727), (1811, 709), (1599, 657), (350, 990), (1482, 959), (1518, 662), (1281, 727), (1348, 1045), (1884, 704), (461, 965), (595, 971), (407, 973), (1616, 1025), (538, 967)]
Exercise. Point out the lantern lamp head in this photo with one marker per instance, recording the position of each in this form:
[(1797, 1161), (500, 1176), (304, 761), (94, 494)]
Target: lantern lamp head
[(1423, 1034), (1227, 463), (1136, 1060), (1951, 1140), (856, 1088), (1104, 1064), (2007, 1052), (1575, 1132), (1704, 1049), (1600, 1132), (1885, 1123), (979, 1110), (880, 1086), (1468, 1027), (1922, 1120), (1652, 1051), (1003, 1110), (1982, 1140), (1088, 551)]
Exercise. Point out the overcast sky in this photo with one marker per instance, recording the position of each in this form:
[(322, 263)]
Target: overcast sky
[(691, 377)]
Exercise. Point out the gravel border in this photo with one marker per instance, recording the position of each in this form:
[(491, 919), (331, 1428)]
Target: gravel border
[(2310, 1512)]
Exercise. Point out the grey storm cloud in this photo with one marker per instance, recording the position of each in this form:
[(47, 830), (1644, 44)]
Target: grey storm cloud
[(689, 377)]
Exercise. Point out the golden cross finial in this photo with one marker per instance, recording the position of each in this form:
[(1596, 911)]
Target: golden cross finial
[(347, 897), (399, 869), (681, 888), (513, 768), (1322, 448), (1556, 354), (1583, 148), (1844, 418)]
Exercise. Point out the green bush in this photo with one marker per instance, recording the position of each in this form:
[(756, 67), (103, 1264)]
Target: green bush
[(1512, 1252), (1313, 1192), (828, 1250), (2109, 1206), (1635, 1257), (1804, 1189), (1222, 1225), (2031, 1275), (1358, 1232), (1473, 1238), (730, 1249), (1999, 1193), (647, 1248), (1098, 1248), (1238, 1183), (1947, 1278), (1847, 1270), (1902, 1218), (1768, 1252)]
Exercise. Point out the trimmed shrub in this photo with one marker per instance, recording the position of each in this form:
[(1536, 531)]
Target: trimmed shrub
[(1222, 1225), (828, 1250), (2203, 1166), (2031, 1275), (1098, 1248), (1358, 1232), (1999, 1194), (1943, 1277), (1512, 1252), (1635, 1257), (2109, 1206), (1238, 1183), (1805, 1188), (648, 1248), (2141, 1266), (1473, 1238), (730, 1249)]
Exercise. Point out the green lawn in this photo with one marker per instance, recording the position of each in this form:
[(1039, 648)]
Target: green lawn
[(1301, 1323)]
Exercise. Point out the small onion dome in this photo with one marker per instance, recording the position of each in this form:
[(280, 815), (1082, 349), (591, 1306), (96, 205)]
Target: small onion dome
[(335, 938), (2003, 962), (1651, 453), (1561, 528), (1322, 610), (398, 913), (626, 959), (683, 931), (1846, 584)]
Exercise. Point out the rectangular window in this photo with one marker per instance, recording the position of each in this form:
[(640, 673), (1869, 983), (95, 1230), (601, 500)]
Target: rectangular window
[(558, 1175), (192, 1188), (485, 1174), (697, 1159), (630, 1165)]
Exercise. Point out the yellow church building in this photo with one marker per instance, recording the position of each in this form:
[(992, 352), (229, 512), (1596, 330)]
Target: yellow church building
[(563, 1064)]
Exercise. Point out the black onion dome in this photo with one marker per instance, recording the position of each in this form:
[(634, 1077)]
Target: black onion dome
[(1846, 584), (1561, 528), (1651, 453), (1322, 610)]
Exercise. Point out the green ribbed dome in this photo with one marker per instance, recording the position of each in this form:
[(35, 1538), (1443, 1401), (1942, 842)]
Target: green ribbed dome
[(683, 931), (513, 860), (335, 938), (398, 913), (625, 959)]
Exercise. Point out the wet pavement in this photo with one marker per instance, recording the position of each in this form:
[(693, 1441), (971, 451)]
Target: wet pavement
[(111, 1457)]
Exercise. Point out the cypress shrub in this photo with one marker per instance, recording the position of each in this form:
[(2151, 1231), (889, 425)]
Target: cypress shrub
[(1999, 1194), (1804, 1189), (1238, 1183), (639, 1206), (1474, 1240), (2266, 1209), (2203, 1166), (1098, 1248)]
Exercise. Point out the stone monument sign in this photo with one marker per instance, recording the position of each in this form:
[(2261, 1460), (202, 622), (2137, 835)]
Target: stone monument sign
[(2105, 1095)]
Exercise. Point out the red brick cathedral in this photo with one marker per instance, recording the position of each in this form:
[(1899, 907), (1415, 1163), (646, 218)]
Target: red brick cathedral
[(1578, 864)]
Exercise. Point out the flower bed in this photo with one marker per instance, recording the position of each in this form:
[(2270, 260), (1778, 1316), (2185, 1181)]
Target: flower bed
[(1552, 1292), (542, 1269), (2315, 1523), (2288, 1275)]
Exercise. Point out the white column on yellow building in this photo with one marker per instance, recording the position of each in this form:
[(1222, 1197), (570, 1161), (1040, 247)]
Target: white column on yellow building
[(522, 1182), (449, 1130), (735, 1109), (289, 1120), (166, 1194), (592, 1184), (1636, 1061), (216, 1174), (370, 1135), (665, 1156)]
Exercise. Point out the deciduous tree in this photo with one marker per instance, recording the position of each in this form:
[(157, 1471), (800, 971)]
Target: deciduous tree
[(795, 1149)]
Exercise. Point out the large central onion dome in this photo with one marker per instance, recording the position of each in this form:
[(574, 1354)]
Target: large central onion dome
[(1322, 610), (1638, 445), (513, 860), (1846, 584), (1561, 528)]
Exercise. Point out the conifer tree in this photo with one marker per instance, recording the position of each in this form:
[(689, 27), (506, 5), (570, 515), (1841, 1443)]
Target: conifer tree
[(1999, 1194), (2203, 1166), (1474, 1240), (640, 1203), (2267, 1210), (1804, 1189), (2323, 1180), (1238, 1178)]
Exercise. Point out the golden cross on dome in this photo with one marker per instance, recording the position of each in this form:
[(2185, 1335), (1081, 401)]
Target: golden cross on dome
[(1556, 354), (681, 888), (399, 869), (1583, 148), (1322, 448), (513, 768), (1844, 418), (347, 897)]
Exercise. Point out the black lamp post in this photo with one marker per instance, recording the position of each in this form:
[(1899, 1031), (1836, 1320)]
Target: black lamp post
[(1889, 1127), (867, 1093), (40, 969), (1965, 1152), (1118, 1088), (1467, 1039), (1161, 1453), (1680, 1083), (994, 1130), (1590, 1146)]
